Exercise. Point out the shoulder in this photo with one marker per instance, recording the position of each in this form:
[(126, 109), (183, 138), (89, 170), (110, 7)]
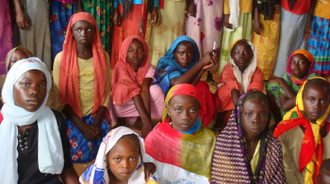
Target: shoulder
[(58, 57)]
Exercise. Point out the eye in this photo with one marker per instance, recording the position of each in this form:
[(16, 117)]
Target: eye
[(25, 84), (132, 159), (324, 102), (42, 86), (263, 115), (311, 99), (301, 62), (116, 159), (293, 63), (248, 114), (78, 30), (130, 50), (193, 110), (177, 109), (140, 50), (89, 29)]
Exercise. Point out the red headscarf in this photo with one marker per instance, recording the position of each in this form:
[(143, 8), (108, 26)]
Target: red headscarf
[(126, 83), (69, 70)]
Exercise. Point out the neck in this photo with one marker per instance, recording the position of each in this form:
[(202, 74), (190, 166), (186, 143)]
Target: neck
[(114, 180), (251, 140), (84, 51)]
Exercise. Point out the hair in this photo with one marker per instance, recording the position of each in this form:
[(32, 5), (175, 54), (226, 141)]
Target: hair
[(325, 84), (257, 95), (325, 167), (241, 41)]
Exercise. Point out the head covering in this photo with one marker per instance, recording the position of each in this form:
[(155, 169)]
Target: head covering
[(11, 52), (167, 67), (50, 153), (98, 172), (309, 57), (69, 70), (125, 82), (312, 146), (230, 162), (244, 78)]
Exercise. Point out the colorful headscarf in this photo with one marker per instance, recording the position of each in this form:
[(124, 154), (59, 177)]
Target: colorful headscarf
[(11, 52), (312, 146), (246, 77), (126, 83), (50, 153), (309, 57), (167, 67), (230, 162), (98, 172), (69, 70)]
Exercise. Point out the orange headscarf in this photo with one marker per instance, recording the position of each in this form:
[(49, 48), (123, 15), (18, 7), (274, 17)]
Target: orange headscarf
[(126, 83), (69, 70)]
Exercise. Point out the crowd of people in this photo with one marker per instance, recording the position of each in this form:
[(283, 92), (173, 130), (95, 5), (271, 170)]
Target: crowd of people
[(111, 91)]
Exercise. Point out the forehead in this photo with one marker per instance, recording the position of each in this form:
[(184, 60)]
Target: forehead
[(32, 73), (185, 45), (82, 23), (299, 57), (255, 101), (136, 43), (242, 45), (183, 100), (317, 90), (125, 144)]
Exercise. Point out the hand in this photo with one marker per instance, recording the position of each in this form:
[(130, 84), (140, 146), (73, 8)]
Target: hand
[(97, 131), (191, 10), (116, 17), (257, 27), (146, 128), (154, 16), (149, 169), (21, 20), (88, 131), (226, 21), (209, 60)]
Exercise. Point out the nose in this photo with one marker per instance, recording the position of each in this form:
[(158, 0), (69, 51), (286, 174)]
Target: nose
[(83, 33), (185, 115), (34, 90), (125, 164), (256, 120)]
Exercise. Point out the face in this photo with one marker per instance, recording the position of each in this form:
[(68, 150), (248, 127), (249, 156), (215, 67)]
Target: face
[(254, 117), (83, 32), (184, 111), (123, 159), (183, 54), (30, 90), (323, 178), (299, 66), (17, 55), (316, 102), (135, 54), (242, 55)]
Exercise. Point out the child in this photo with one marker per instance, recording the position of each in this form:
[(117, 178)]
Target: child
[(135, 100), (324, 176), (245, 151), (282, 91), (33, 137), (120, 159), (181, 147), (82, 81), (240, 76), (304, 132), (181, 65)]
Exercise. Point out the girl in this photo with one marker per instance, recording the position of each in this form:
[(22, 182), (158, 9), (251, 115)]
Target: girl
[(129, 18), (240, 76), (120, 159), (318, 43), (257, 154), (324, 175), (181, 147), (266, 34), (304, 132), (282, 91), (35, 148), (180, 65), (237, 25), (135, 100), (82, 81)]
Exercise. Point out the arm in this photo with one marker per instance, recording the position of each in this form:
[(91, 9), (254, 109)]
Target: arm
[(288, 101), (20, 17), (256, 25), (69, 175), (154, 16), (146, 120), (226, 14), (235, 94), (98, 120), (116, 17), (145, 94), (79, 7), (310, 16), (191, 8)]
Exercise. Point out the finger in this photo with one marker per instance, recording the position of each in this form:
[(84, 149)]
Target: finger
[(26, 24)]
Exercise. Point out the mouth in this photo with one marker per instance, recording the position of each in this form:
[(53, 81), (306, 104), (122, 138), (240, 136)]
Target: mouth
[(124, 174), (254, 129), (33, 102)]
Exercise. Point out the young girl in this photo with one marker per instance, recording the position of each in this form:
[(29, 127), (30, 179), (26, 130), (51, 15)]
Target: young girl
[(135, 100), (304, 132), (240, 76), (120, 159), (181, 147), (35, 148), (324, 175), (282, 91), (82, 81), (181, 65), (245, 151)]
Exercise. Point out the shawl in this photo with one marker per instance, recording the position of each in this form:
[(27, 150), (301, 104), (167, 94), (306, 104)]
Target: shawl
[(69, 70), (167, 67), (309, 57), (126, 83), (11, 52), (312, 146), (50, 153), (98, 172), (230, 162)]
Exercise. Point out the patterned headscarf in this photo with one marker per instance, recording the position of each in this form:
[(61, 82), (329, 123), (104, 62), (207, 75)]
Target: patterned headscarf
[(11, 52), (309, 57), (230, 162), (312, 146)]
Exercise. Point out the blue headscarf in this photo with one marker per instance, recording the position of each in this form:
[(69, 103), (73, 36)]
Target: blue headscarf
[(167, 67)]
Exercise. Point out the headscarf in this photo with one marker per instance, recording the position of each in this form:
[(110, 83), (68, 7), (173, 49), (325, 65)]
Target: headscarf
[(69, 70), (312, 146), (11, 52), (167, 67), (309, 57), (50, 153), (246, 77), (230, 162), (126, 83), (98, 172)]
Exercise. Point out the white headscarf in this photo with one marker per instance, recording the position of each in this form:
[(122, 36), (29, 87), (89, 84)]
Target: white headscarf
[(98, 173), (50, 152)]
